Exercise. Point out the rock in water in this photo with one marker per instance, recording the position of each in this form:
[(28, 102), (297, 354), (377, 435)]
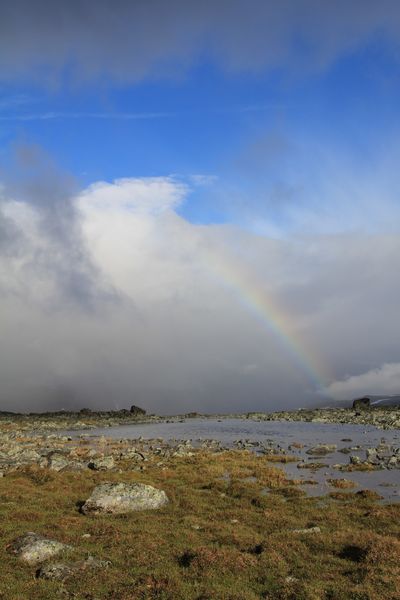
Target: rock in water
[(322, 449), (124, 497), (34, 549)]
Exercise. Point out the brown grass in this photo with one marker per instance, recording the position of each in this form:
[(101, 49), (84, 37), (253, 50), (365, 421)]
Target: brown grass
[(218, 539)]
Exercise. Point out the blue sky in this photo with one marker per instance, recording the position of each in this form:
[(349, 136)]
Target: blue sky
[(199, 202), (247, 130)]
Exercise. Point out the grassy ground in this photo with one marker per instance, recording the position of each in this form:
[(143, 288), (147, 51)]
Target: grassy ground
[(218, 539)]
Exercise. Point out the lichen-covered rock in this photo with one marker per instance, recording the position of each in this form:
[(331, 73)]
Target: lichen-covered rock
[(103, 463), (124, 497), (34, 549), (60, 571), (57, 462)]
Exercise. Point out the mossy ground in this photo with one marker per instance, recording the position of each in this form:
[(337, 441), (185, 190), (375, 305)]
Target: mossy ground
[(220, 537)]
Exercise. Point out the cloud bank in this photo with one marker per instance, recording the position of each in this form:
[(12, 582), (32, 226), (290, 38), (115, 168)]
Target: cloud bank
[(113, 298), (127, 41), (383, 380)]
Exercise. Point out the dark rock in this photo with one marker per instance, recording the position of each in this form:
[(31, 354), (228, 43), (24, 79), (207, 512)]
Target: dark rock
[(362, 403), (136, 410)]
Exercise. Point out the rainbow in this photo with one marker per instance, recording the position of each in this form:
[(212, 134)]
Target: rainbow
[(241, 280)]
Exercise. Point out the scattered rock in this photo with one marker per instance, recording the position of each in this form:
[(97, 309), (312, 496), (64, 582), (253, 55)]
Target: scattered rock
[(34, 549), (124, 497)]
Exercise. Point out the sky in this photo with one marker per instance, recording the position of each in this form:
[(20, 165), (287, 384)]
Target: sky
[(199, 203)]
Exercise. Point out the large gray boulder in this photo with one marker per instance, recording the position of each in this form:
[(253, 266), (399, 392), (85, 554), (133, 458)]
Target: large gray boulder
[(33, 549), (124, 497)]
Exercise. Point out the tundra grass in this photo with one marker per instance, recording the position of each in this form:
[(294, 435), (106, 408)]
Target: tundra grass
[(223, 536)]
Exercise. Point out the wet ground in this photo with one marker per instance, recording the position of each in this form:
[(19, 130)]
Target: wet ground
[(286, 437)]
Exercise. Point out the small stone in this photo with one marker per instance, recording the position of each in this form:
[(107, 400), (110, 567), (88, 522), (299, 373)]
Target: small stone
[(308, 530)]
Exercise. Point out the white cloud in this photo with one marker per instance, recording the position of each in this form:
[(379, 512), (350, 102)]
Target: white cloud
[(382, 380), (181, 329), (146, 196)]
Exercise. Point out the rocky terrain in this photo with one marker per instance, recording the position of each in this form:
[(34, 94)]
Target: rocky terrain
[(387, 417), (50, 450), (87, 516), (383, 417)]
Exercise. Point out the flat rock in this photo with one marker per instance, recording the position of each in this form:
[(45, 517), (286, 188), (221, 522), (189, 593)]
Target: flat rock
[(60, 571), (321, 449), (34, 549), (124, 497)]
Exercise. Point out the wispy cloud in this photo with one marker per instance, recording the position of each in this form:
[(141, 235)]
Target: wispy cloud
[(127, 116), (14, 101), (48, 116)]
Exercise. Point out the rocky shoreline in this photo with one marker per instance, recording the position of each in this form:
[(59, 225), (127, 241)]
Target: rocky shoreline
[(37, 442), (382, 418), (69, 497)]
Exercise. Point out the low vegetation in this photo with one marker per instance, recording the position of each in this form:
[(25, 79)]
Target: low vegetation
[(228, 533)]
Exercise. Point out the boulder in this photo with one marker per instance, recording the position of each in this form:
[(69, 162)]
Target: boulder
[(57, 462), (123, 498), (60, 571), (103, 463), (136, 410), (34, 549)]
